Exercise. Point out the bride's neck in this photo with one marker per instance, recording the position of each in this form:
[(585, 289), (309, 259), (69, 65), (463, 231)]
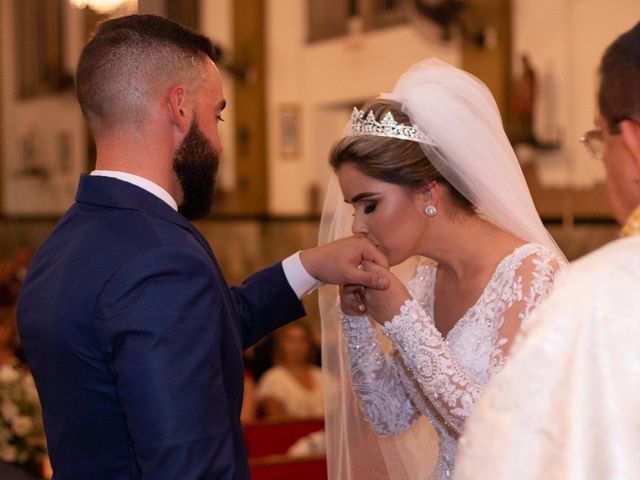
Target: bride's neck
[(470, 246)]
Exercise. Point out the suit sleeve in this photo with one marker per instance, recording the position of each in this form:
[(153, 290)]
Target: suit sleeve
[(161, 330), (264, 302)]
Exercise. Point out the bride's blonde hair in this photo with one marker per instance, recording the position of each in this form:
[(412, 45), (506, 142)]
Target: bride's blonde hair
[(401, 162)]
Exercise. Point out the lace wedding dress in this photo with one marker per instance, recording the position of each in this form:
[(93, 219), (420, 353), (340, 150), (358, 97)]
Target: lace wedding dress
[(438, 377)]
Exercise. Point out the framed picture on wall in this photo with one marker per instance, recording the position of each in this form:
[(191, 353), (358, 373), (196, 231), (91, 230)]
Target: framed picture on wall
[(290, 119)]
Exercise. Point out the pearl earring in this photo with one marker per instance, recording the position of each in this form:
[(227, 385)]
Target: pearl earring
[(431, 211)]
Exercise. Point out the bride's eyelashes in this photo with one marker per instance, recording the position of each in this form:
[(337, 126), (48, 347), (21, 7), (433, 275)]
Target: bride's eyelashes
[(369, 208)]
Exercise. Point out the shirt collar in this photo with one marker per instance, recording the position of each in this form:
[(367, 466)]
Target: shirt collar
[(632, 225), (141, 182)]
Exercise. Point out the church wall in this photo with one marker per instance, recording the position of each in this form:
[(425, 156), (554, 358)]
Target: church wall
[(43, 138), (565, 40), (48, 132), (322, 82), (216, 22)]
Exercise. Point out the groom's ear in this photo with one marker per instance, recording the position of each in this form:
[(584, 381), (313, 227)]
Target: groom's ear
[(178, 108)]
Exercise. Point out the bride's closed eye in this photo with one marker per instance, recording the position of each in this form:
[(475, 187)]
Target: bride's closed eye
[(369, 208)]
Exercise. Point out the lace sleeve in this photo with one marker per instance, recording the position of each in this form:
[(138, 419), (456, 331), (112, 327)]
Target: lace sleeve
[(541, 271), (375, 379), (530, 285), (451, 389)]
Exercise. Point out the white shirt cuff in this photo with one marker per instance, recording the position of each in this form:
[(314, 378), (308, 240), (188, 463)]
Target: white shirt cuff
[(301, 282)]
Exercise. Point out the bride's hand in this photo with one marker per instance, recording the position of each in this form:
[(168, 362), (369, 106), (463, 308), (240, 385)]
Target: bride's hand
[(351, 301), (383, 305)]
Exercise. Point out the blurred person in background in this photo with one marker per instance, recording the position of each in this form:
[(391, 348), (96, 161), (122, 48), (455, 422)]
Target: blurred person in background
[(292, 388)]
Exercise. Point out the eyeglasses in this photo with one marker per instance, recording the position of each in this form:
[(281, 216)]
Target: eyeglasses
[(593, 141)]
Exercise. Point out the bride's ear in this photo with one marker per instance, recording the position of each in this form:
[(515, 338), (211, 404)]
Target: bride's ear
[(431, 192)]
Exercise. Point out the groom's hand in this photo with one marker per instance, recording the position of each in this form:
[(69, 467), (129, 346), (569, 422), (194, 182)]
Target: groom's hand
[(340, 263)]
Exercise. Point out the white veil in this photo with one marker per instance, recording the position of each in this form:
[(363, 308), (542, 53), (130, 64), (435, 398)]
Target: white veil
[(458, 113)]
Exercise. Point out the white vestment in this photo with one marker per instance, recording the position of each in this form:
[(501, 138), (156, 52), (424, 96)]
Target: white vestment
[(565, 406)]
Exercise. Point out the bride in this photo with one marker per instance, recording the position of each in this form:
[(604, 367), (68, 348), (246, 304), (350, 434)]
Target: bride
[(426, 173)]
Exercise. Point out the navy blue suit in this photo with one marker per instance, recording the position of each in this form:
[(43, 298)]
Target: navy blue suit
[(135, 340)]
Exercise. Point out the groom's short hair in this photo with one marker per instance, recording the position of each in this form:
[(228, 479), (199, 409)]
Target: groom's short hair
[(130, 61), (619, 93)]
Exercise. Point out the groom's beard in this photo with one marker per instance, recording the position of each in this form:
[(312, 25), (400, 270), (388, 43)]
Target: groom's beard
[(196, 164)]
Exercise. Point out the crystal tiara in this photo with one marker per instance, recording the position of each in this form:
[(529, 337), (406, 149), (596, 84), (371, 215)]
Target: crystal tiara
[(387, 127)]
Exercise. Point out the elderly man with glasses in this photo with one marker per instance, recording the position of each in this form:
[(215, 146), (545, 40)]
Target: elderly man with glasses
[(565, 405)]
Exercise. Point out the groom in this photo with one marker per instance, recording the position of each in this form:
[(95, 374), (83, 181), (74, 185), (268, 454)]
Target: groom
[(133, 336), (566, 403)]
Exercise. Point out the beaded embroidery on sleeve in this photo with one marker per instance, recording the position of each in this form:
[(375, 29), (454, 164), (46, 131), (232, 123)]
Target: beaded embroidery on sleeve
[(450, 372), (375, 379)]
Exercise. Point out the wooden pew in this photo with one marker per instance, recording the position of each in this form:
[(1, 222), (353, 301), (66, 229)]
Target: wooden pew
[(267, 443), (282, 467)]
